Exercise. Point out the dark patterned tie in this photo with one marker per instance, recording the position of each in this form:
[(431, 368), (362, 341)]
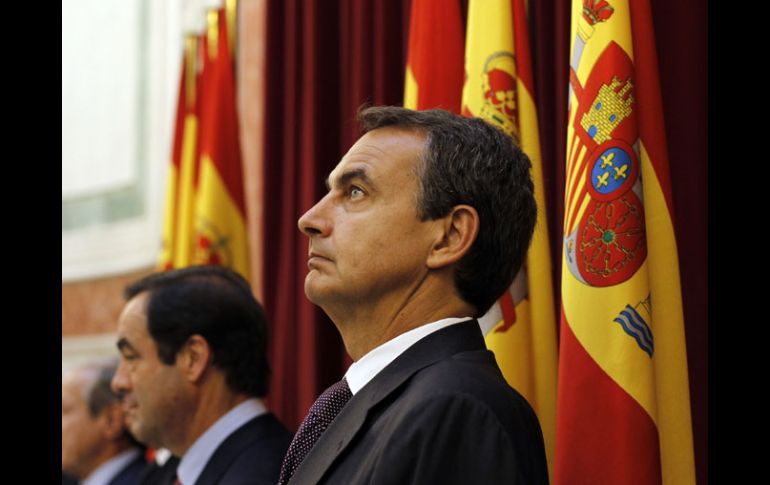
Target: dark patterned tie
[(321, 414)]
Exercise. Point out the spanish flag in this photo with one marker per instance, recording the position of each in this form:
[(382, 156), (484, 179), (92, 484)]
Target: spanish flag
[(220, 209), (184, 107), (180, 191), (205, 219), (521, 326), (434, 69), (623, 402)]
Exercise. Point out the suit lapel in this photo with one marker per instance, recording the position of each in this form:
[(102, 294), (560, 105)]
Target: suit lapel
[(461, 337), (130, 473), (229, 450)]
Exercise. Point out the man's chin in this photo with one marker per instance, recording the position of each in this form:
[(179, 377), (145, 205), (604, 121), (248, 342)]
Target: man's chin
[(136, 431), (314, 290)]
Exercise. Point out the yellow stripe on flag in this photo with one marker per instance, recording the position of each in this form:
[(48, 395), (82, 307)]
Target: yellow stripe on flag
[(495, 89), (410, 90), (219, 224), (671, 376), (185, 232), (166, 259)]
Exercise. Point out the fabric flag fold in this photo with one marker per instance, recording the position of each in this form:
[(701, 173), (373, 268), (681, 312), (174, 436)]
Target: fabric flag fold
[(183, 107), (434, 66), (521, 327), (623, 411), (205, 221)]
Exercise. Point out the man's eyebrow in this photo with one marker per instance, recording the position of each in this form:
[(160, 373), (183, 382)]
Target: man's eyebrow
[(348, 175)]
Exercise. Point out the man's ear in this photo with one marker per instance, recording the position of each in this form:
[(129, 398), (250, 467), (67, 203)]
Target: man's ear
[(111, 420), (459, 230), (194, 358)]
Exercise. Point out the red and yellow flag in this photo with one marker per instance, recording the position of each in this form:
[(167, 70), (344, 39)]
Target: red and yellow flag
[(220, 221), (184, 236), (521, 326), (434, 66), (623, 405), (180, 194), (207, 206), (184, 107)]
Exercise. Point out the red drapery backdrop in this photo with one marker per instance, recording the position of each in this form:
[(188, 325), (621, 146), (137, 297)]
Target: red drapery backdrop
[(326, 58)]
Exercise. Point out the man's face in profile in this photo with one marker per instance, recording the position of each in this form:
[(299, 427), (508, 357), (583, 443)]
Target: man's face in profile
[(366, 238), (153, 392), (81, 436)]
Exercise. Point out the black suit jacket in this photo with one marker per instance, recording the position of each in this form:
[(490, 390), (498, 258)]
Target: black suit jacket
[(252, 455), (67, 479), (155, 474), (441, 413), (131, 473)]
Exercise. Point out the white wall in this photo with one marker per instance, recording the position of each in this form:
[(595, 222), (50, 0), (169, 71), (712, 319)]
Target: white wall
[(120, 72)]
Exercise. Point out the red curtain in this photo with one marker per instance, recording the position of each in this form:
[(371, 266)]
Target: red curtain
[(326, 58)]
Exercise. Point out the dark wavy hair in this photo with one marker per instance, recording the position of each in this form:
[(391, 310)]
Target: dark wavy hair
[(469, 161), (217, 304)]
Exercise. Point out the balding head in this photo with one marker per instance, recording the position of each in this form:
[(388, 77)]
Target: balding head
[(93, 429)]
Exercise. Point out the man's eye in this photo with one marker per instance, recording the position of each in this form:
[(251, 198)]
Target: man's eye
[(355, 193)]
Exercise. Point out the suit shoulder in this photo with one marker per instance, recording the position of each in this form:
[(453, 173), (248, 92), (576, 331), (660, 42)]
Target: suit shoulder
[(486, 435), (259, 460), (472, 374), (470, 386), (131, 473)]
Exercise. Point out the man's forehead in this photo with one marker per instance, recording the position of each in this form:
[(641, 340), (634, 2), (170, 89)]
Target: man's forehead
[(74, 382), (378, 151), (361, 164), (133, 318), (136, 306)]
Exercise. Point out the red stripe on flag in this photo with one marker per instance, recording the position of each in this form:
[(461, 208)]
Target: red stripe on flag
[(647, 90), (436, 53), (181, 111), (521, 45), (220, 137), (509, 311), (576, 198), (201, 96), (232, 172), (603, 435), (575, 83)]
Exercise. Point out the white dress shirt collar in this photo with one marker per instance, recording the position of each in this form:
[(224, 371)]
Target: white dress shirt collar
[(364, 369), (107, 470), (194, 461), (162, 455)]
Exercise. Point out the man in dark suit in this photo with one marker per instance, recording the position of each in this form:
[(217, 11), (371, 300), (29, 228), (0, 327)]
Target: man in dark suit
[(193, 373), (161, 470), (96, 447), (427, 220)]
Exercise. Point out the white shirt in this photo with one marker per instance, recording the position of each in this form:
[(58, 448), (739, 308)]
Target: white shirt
[(194, 461), (364, 369), (107, 470), (162, 455)]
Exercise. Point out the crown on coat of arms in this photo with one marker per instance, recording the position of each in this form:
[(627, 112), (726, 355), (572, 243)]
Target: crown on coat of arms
[(611, 106)]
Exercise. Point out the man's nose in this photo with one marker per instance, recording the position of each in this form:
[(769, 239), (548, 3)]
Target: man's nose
[(120, 382), (316, 221)]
